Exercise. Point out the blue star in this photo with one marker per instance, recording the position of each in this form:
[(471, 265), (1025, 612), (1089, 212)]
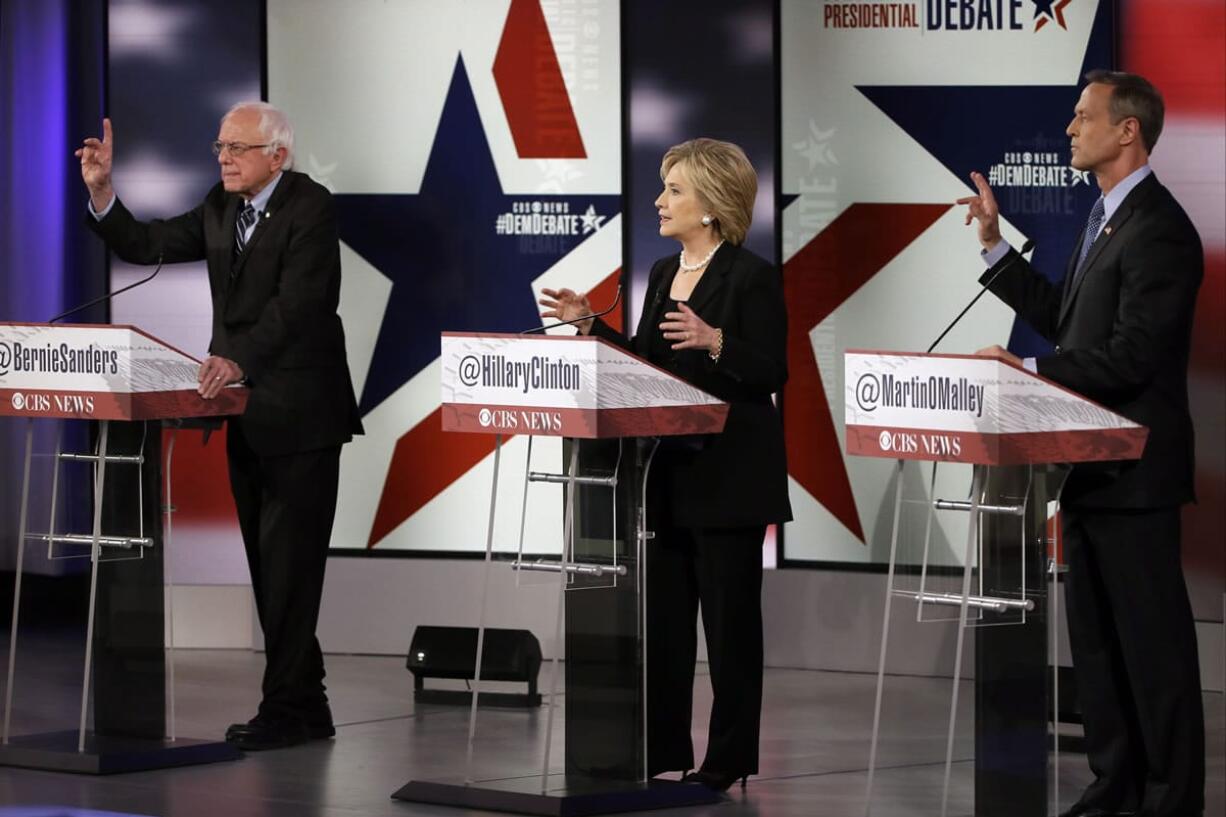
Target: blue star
[(974, 127), (449, 268), (1043, 7)]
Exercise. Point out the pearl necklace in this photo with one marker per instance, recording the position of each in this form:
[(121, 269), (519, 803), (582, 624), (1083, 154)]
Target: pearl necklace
[(692, 267)]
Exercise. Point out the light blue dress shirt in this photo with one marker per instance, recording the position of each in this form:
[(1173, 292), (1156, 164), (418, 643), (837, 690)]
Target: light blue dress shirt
[(1111, 203)]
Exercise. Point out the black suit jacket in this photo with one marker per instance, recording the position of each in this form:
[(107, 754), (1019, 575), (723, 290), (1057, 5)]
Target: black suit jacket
[(274, 311), (739, 477), (1122, 336)]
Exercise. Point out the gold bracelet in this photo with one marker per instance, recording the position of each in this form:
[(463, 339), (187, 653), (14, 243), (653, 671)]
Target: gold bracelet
[(719, 345)]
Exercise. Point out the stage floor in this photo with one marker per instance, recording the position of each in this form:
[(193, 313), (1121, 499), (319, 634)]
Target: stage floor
[(815, 743)]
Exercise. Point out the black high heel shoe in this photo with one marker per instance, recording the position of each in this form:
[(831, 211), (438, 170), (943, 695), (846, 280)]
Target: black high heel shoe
[(716, 781)]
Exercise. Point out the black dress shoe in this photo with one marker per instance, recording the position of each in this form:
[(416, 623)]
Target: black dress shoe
[(269, 734), (716, 781), (318, 729)]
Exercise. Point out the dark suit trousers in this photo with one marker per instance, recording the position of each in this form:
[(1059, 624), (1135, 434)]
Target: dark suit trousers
[(722, 570), (1134, 651), (286, 506)]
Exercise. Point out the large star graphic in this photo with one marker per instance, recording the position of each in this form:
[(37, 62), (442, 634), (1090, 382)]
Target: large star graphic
[(970, 128), (450, 268), (1044, 13)]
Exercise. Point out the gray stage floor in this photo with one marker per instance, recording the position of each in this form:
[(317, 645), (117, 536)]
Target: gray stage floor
[(815, 741)]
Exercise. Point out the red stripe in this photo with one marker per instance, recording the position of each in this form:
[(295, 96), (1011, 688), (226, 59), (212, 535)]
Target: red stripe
[(427, 459), (533, 93), (825, 273)]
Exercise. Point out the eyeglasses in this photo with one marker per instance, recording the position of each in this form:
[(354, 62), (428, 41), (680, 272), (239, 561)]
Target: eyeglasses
[(235, 148)]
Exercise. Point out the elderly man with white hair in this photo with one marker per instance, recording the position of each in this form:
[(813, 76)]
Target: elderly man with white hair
[(269, 237)]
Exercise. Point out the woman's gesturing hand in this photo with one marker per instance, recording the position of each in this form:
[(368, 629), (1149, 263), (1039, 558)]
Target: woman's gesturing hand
[(566, 305), (688, 330)]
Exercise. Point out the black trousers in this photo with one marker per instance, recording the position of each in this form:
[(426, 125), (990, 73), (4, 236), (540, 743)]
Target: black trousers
[(286, 505), (722, 570), (1134, 651)]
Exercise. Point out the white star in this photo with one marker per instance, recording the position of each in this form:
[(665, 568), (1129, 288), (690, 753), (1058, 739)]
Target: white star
[(816, 147), (591, 221), (1082, 176)]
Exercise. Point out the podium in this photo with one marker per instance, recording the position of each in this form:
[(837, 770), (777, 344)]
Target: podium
[(108, 373), (612, 408), (1018, 431)]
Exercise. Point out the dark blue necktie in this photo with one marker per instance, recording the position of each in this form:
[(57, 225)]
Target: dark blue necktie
[(246, 218), (1092, 227)]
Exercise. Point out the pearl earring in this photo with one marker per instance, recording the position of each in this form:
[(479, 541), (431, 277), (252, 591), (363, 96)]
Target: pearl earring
[(706, 221)]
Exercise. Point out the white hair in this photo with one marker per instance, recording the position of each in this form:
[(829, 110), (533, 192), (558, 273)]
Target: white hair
[(274, 126)]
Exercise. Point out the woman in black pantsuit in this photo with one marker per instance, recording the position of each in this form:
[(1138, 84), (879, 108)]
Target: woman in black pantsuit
[(714, 316)]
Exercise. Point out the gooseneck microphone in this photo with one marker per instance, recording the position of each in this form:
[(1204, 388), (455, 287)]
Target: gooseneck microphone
[(110, 295), (1027, 247), (616, 300)]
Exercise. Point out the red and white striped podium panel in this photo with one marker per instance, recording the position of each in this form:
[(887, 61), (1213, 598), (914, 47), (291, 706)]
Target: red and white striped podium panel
[(964, 408), (101, 372), (568, 386)]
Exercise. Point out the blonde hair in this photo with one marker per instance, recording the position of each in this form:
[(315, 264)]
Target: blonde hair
[(724, 180)]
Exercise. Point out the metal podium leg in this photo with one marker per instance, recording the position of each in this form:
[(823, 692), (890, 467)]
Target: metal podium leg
[(99, 482), (1055, 676), (640, 539), (885, 639), (568, 538), (485, 591), (21, 549), (972, 536), (523, 508), (168, 569)]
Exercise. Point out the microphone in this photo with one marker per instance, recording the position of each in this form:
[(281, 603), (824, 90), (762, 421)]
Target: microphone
[(110, 295), (1027, 247), (616, 300)]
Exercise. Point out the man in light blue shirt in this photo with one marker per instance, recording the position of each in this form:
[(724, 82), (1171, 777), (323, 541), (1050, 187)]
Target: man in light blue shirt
[(1121, 325)]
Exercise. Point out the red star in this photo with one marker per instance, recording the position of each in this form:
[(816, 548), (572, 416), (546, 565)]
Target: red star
[(817, 279)]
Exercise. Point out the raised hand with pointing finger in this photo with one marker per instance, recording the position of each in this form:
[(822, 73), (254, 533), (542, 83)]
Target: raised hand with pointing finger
[(95, 156), (983, 209)]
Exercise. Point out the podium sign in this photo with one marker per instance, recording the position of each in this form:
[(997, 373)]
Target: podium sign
[(1012, 425), (567, 386), (101, 372), (108, 373), (962, 408)]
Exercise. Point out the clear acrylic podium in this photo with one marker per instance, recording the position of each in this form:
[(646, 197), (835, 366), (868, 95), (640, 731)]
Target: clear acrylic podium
[(611, 408), (1018, 431), (129, 383)]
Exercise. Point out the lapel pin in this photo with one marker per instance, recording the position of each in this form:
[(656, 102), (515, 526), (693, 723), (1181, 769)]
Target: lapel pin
[(1107, 229)]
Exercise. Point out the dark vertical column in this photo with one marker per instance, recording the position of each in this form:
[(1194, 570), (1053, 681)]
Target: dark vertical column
[(668, 100), (604, 701), (1011, 704), (52, 76), (129, 652)]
